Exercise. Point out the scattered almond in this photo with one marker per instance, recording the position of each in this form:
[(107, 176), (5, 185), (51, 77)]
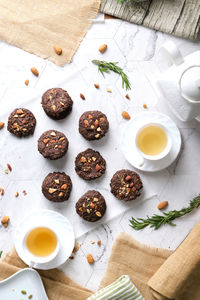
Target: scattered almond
[(24, 192), (82, 96), (9, 167), (92, 242), (71, 257), (99, 242), (76, 248), (5, 220), (96, 85), (144, 106), (57, 49), (103, 48), (35, 71), (6, 171), (2, 125), (109, 90), (26, 82), (126, 115), (90, 259), (2, 191), (16, 194), (127, 96), (64, 186), (162, 205)]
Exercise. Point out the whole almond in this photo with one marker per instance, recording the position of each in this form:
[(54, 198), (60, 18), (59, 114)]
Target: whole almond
[(35, 71), (26, 82), (144, 106), (126, 115), (5, 220), (162, 205), (2, 125), (57, 49), (103, 48), (96, 85), (82, 96), (90, 259)]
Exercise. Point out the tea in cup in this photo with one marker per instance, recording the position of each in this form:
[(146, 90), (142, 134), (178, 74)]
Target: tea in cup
[(41, 245), (153, 142)]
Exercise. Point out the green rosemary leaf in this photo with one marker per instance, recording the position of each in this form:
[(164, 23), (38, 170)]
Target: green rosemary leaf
[(156, 221), (106, 67)]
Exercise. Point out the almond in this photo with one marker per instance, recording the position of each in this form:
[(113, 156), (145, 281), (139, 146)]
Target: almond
[(5, 220), (9, 167), (2, 191), (90, 259), (96, 85), (26, 82), (64, 186), (162, 205), (57, 49), (127, 96), (2, 125), (35, 71), (144, 106), (76, 248), (109, 90), (99, 242), (103, 48), (82, 96), (126, 115)]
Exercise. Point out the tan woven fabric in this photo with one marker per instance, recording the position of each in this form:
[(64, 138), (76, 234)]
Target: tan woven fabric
[(57, 285), (36, 26), (178, 278), (137, 260)]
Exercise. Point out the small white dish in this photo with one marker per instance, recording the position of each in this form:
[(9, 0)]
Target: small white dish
[(131, 152), (62, 228), (26, 279)]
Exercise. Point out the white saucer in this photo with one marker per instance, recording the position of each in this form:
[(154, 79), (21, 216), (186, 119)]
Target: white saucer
[(62, 228), (128, 146), (25, 279)]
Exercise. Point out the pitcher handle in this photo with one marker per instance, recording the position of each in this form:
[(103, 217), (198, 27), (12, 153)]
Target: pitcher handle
[(170, 50)]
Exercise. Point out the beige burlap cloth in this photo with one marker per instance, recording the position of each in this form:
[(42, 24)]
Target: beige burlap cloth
[(157, 273), (36, 26)]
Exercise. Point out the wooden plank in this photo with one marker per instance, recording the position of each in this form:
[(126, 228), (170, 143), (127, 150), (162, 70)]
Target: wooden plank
[(177, 17)]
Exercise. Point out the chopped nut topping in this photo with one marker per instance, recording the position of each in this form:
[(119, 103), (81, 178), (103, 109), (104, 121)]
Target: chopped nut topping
[(95, 199), (98, 167), (93, 158), (86, 123), (90, 116), (96, 122), (51, 190), (60, 194), (57, 181), (61, 139), (99, 129), (64, 186), (88, 211), (83, 159), (19, 111), (102, 119), (53, 133), (92, 127), (46, 140), (98, 213), (53, 107), (97, 135)]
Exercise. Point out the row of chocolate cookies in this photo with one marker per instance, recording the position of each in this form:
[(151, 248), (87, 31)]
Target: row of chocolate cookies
[(125, 185)]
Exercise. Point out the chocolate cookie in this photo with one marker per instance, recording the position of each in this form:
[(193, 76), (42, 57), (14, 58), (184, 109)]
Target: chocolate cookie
[(93, 125), (57, 187), (57, 103), (89, 164), (53, 144), (21, 122), (91, 206), (126, 185)]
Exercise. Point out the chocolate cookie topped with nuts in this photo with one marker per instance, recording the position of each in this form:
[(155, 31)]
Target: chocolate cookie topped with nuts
[(93, 125), (91, 206), (57, 187), (21, 122), (53, 144), (126, 185), (89, 164), (57, 103)]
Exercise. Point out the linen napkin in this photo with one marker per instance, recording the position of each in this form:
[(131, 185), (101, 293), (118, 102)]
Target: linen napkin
[(58, 286), (36, 26)]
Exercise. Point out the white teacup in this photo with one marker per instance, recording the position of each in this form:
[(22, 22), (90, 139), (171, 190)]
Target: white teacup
[(160, 155), (40, 259)]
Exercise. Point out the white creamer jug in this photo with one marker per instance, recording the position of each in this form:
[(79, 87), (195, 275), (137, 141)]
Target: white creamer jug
[(180, 84)]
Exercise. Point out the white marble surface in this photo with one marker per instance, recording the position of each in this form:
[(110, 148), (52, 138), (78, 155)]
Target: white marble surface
[(136, 49)]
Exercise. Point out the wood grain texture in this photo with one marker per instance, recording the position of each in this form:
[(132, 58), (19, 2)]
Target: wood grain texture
[(178, 17)]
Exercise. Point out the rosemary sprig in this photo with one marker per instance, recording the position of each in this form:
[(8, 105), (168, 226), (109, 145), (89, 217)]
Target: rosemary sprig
[(1, 253), (156, 221), (106, 67)]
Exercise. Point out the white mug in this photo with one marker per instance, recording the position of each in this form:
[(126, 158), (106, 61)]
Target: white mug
[(159, 156), (33, 259)]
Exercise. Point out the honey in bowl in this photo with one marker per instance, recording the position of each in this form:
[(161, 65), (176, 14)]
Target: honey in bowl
[(41, 241), (152, 140)]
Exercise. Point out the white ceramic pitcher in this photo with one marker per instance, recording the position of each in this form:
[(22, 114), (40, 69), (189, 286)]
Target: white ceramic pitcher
[(180, 84)]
